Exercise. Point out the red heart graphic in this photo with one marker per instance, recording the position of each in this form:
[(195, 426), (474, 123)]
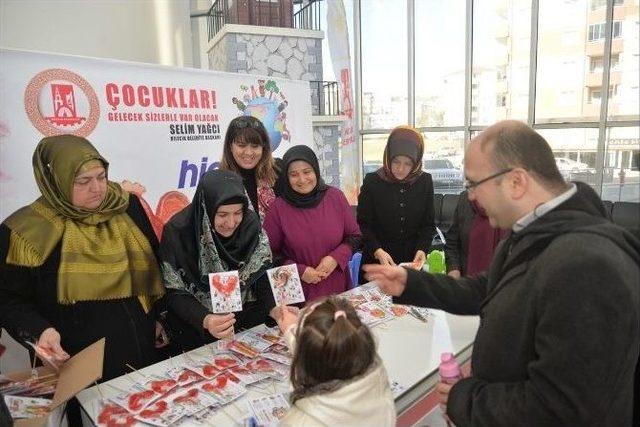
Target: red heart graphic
[(188, 397), (225, 362), (138, 400), (226, 287), (187, 377), (155, 410), (163, 386), (114, 415), (210, 371)]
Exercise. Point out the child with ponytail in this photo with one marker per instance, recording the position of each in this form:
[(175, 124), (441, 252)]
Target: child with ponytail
[(337, 377)]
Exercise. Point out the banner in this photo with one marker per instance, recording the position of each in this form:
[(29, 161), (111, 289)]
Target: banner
[(159, 127), (338, 38)]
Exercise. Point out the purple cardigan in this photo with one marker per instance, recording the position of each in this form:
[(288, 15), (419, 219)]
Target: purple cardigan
[(305, 236)]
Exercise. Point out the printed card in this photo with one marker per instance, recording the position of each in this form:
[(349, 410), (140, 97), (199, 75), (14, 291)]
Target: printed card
[(371, 313), (254, 340), (192, 399), (27, 407), (243, 349), (269, 410), (285, 284), (277, 357), (136, 398), (203, 368), (246, 375), (160, 413), (225, 292), (225, 361), (411, 265), (397, 389), (114, 415), (183, 376), (44, 355), (225, 387)]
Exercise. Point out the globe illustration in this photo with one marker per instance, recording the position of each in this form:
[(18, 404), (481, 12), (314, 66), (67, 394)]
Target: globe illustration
[(266, 110)]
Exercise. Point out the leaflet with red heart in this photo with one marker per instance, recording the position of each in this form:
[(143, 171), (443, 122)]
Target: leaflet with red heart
[(225, 292)]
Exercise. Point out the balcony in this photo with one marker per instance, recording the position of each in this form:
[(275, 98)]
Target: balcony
[(325, 98), (265, 13)]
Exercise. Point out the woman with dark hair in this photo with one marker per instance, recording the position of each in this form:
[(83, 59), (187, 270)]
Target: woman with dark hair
[(247, 152), (79, 263), (471, 241), (216, 233), (348, 385), (312, 226), (395, 206)]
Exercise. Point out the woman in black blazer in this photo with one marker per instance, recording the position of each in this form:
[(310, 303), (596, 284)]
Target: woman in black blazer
[(395, 206)]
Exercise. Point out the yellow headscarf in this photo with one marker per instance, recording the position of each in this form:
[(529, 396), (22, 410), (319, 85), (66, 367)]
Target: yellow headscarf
[(104, 255)]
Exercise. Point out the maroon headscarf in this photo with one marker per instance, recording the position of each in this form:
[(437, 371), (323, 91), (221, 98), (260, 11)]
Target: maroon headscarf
[(483, 240), (402, 141)]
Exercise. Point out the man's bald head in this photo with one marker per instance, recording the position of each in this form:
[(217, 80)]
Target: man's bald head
[(510, 144)]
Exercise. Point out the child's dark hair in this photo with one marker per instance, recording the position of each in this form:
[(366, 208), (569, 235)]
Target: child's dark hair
[(332, 345)]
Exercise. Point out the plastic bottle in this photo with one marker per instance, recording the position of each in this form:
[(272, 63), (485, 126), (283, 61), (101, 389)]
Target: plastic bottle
[(449, 369), (436, 262)]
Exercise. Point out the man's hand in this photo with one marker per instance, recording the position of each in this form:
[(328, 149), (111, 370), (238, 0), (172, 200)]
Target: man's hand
[(327, 265), (49, 341), (383, 257), (455, 274), (390, 279), (443, 389), (219, 325), (313, 276)]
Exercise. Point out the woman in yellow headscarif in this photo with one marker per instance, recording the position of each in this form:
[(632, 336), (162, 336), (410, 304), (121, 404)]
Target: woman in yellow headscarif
[(79, 263)]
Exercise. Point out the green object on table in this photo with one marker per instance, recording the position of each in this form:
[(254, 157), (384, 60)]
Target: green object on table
[(436, 262)]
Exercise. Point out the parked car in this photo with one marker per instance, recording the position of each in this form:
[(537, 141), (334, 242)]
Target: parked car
[(369, 167), (446, 177), (568, 165)]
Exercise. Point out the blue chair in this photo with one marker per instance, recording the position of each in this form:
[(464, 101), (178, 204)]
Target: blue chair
[(354, 268)]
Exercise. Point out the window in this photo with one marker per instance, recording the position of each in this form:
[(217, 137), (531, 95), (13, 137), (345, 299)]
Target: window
[(599, 4), (595, 93), (597, 31), (439, 62), (597, 62)]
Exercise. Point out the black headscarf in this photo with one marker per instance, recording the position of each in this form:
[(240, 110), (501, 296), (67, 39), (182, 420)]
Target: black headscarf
[(191, 249), (312, 199)]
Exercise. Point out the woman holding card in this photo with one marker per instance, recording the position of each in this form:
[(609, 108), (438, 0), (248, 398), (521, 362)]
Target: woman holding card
[(312, 226), (247, 152), (216, 233), (395, 206), (79, 263)]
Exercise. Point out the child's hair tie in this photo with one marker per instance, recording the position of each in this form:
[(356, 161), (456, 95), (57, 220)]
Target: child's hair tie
[(339, 313)]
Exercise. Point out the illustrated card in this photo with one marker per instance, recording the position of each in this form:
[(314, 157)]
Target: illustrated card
[(161, 413), (225, 292), (225, 387), (285, 284), (269, 410), (27, 407)]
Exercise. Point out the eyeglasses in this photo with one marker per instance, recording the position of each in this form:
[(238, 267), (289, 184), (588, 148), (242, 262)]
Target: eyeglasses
[(247, 121), (470, 185)]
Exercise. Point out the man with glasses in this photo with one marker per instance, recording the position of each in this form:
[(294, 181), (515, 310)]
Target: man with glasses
[(559, 308)]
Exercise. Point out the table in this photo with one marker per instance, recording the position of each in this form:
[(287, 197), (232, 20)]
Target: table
[(409, 348)]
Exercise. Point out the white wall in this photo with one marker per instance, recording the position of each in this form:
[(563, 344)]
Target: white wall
[(153, 31)]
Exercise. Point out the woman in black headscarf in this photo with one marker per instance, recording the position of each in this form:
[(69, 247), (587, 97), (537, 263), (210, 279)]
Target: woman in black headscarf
[(312, 225), (216, 233)]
